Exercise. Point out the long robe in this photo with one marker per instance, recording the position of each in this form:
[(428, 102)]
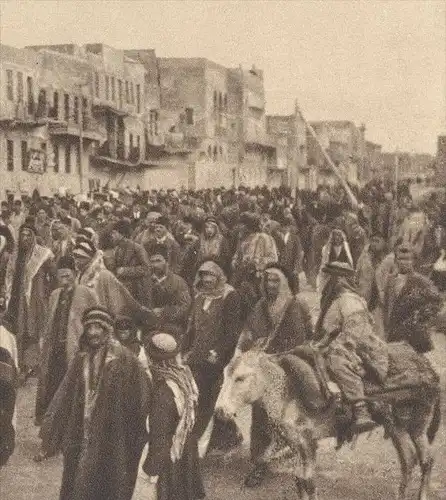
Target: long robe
[(407, 314), (83, 298), (180, 480), (103, 463), (28, 287)]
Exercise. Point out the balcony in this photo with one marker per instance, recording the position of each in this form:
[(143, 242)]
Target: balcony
[(117, 157), (92, 129), (102, 106), (256, 136), (19, 114), (178, 143)]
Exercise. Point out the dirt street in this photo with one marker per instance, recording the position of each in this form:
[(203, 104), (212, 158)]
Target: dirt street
[(370, 471)]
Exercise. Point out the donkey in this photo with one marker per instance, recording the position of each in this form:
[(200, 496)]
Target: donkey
[(255, 377)]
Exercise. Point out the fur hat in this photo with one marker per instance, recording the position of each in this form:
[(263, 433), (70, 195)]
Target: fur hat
[(66, 262), (251, 220), (124, 323), (29, 224), (123, 227), (158, 249), (162, 220)]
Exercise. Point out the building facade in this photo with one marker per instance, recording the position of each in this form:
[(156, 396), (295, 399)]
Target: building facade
[(42, 108), (345, 144), (289, 133), (88, 117)]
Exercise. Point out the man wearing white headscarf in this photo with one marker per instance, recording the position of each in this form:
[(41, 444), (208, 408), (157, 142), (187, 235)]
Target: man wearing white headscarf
[(214, 326)]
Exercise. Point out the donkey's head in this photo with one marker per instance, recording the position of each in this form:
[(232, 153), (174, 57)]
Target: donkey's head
[(243, 384)]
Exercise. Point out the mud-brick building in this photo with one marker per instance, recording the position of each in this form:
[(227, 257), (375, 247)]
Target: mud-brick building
[(40, 121)]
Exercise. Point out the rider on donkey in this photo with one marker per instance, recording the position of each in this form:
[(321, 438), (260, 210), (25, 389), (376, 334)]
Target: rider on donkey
[(345, 334)]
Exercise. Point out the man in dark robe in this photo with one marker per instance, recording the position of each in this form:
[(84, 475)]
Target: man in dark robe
[(130, 261), (169, 300), (8, 394), (60, 339), (97, 417), (411, 303), (214, 327)]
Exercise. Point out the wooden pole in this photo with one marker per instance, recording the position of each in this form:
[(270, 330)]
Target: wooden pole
[(396, 174), (351, 196)]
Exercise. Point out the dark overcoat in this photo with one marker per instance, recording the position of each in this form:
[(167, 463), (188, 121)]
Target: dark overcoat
[(103, 465)]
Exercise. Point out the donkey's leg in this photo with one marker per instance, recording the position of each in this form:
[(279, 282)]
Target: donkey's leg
[(406, 453), (426, 459), (425, 422), (302, 441)]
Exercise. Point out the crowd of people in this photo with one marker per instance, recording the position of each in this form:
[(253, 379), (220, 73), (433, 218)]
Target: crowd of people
[(128, 306)]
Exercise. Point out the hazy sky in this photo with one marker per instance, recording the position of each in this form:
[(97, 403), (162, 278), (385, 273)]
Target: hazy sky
[(378, 62)]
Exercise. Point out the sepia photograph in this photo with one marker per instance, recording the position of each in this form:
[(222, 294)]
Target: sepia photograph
[(223, 249)]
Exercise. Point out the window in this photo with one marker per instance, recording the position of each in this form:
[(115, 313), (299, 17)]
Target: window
[(96, 85), (10, 155), (127, 96), (153, 122), (215, 153), (113, 89), (66, 105), (132, 94), (30, 93), (78, 157), (210, 151), (215, 99), (189, 116), (225, 102), (131, 140), (120, 92), (9, 85), (85, 112), (67, 159), (20, 86), (107, 88), (138, 142), (220, 101), (56, 158), (43, 148), (24, 145), (41, 103), (54, 112), (76, 110), (221, 152), (138, 98)]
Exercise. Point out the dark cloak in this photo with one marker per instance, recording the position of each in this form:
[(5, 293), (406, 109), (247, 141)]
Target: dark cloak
[(105, 465)]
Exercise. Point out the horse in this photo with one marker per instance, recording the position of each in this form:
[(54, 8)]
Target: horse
[(256, 377)]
